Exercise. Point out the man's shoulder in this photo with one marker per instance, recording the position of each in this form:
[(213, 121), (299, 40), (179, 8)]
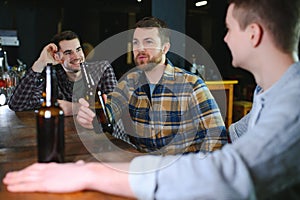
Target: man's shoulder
[(187, 75), (99, 66), (98, 63), (180, 70)]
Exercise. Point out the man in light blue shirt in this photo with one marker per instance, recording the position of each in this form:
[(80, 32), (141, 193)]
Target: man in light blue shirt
[(263, 160)]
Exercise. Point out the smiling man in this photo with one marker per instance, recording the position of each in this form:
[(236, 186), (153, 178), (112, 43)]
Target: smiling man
[(65, 52)]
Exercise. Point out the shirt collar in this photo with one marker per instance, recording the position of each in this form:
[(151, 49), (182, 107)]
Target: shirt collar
[(169, 73)]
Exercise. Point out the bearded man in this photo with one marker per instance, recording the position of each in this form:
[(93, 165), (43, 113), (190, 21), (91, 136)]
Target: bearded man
[(164, 109)]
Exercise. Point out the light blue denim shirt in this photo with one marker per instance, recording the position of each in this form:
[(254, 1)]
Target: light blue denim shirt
[(262, 161)]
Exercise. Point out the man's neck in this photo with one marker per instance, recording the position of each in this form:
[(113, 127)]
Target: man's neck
[(155, 74), (74, 76), (275, 65)]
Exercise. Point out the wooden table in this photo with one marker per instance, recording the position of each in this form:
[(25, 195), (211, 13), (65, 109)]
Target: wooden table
[(219, 89), (18, 150)]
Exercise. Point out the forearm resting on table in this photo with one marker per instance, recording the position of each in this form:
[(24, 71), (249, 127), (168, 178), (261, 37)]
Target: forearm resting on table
[(111, 178), (71, 177)]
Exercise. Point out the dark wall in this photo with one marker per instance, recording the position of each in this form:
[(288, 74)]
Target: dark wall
[(207, 26), (34, 23), (37, 21)]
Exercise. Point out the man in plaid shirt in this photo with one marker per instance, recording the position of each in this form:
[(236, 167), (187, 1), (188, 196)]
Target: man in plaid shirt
[(165, 110), (66, 53)]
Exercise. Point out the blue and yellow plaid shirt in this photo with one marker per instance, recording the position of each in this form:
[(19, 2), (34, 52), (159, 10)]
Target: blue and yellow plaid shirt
[(179, 116)]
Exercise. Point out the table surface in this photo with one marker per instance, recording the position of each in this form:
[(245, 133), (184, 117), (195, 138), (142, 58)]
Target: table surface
[(18, 149)]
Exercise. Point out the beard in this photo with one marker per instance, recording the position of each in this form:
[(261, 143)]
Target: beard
[(149, 63), (72, 70), (73, 66)]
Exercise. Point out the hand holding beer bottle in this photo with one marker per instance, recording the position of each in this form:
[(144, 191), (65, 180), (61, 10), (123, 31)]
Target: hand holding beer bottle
[(96, 101)]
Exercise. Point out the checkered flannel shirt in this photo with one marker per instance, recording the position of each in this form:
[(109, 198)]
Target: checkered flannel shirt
[(180, 115)]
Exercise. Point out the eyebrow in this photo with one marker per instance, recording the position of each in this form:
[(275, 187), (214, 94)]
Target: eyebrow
[(69, 50), (148, 38)]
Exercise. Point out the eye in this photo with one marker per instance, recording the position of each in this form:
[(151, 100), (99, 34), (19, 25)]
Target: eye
[(67, 53), (79, 49), (149, 42), (226, 29), (134, 42)]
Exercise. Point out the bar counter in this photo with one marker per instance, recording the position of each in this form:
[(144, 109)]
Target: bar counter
[(18, 149)]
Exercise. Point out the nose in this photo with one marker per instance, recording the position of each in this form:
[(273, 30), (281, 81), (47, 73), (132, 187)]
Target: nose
[(139, 47), (76, 54), (225, 37)]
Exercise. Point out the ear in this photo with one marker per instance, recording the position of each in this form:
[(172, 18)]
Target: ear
[(255, 34), (166, 47), (57, 57)]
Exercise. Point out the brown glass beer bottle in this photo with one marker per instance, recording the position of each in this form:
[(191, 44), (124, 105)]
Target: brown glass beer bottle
[(50, 122)]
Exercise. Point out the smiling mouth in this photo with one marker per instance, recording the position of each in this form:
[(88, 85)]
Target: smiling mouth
[(76, 62)]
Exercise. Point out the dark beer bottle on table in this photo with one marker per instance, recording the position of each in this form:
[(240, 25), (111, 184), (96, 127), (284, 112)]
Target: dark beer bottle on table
[(95, 98), (50, 122)]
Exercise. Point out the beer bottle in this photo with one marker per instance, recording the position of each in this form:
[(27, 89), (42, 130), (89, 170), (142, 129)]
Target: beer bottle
[(50, 122), (95, 98)]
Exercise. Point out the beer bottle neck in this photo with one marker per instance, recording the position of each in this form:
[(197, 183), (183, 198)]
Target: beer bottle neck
[(51, 86), (88, 81), (5, 64)]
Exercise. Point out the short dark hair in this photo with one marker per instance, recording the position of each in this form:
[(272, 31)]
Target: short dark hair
[(280, 17), (65, 35), (153, 22)]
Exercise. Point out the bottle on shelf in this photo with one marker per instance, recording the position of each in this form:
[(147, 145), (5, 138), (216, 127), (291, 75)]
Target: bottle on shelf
[(1, 60), (3, 93), (193, 68), (197, 69), (8, 77), (95, 98), (50, 122), (201, 71)]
